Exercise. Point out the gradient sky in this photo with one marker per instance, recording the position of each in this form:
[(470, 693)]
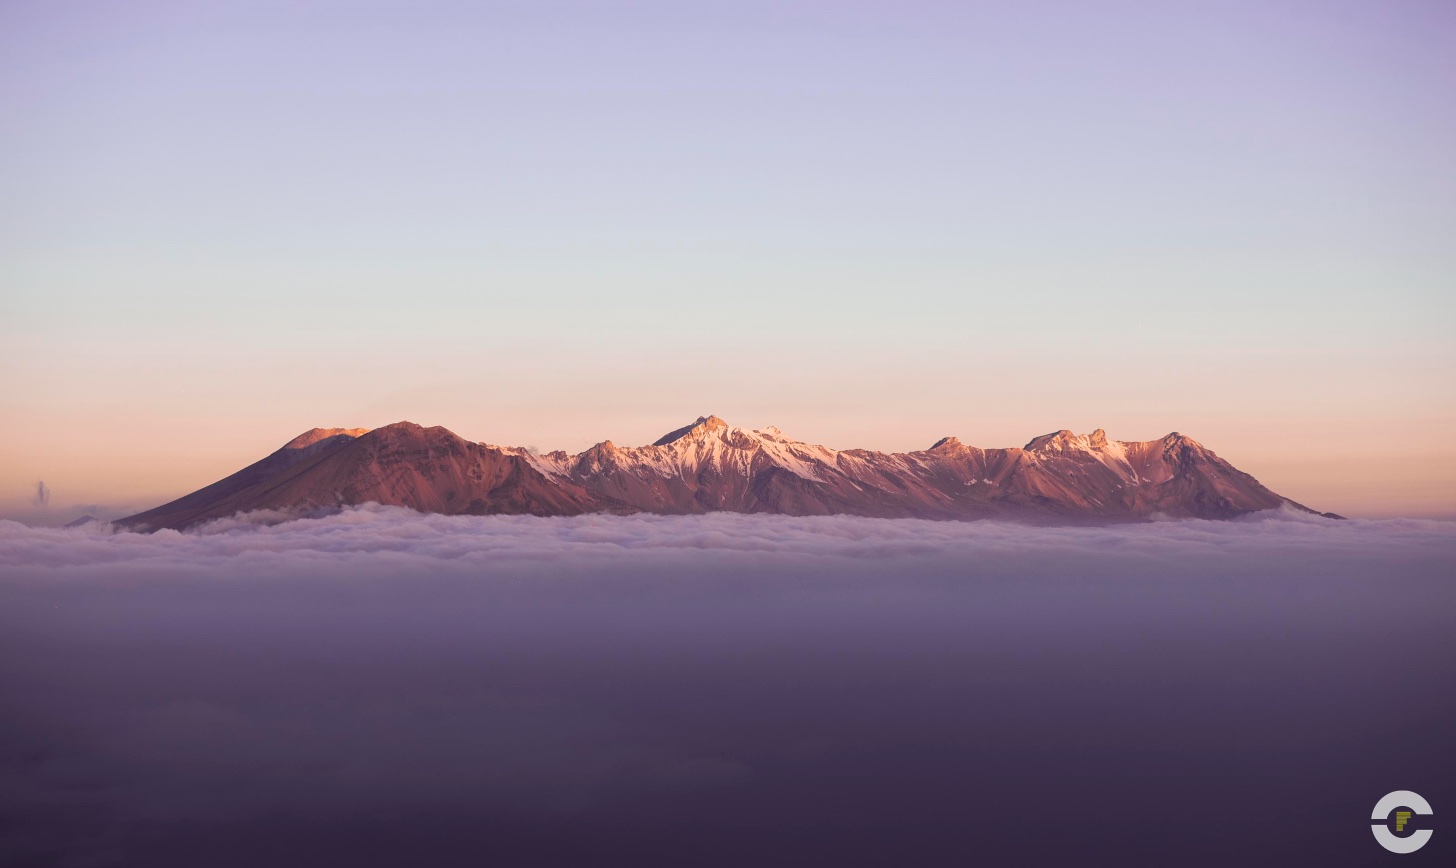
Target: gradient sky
[(871, 224)]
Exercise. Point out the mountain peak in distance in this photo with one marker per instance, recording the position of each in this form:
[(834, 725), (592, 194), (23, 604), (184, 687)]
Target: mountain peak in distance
[(710, 466), (703, 425)]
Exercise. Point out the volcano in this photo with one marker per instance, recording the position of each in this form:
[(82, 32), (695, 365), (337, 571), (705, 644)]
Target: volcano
[(711, 466)]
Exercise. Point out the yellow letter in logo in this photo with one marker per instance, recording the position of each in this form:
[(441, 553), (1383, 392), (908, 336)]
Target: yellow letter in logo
[(1400, 799)]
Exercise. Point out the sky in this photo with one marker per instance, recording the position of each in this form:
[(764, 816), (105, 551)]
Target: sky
[(870, 224)]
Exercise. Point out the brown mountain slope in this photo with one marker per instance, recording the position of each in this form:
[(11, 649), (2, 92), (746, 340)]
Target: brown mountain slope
[(426, 469), (201, 504), (711, 466)]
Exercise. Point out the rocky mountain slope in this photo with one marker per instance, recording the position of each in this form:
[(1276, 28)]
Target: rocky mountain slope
[(712, 466)]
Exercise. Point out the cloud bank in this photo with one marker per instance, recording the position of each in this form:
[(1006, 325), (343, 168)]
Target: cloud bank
[(375, 533), (380, 686)]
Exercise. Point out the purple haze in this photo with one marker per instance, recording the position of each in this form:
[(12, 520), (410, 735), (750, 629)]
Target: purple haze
[(381, 687)]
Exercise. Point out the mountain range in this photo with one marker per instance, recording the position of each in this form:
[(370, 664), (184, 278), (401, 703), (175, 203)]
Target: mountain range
[(711, 466)]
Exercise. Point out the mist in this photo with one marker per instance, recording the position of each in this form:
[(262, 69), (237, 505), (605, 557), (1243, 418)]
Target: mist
[(380, 686)]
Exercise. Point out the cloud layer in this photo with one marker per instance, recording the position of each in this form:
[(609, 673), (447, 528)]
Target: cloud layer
[(380, 686), (396, 535)]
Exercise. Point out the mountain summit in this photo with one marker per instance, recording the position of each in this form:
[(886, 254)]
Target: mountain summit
[(711, 466), (702, 427)]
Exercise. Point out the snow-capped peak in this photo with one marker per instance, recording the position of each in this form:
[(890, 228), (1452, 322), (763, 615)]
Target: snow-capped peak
[(710, 443), (1110, 453), (1066, 441), (1059, 441), (704, 425)]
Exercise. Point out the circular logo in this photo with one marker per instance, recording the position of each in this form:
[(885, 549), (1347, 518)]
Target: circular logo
[(1409, 804)]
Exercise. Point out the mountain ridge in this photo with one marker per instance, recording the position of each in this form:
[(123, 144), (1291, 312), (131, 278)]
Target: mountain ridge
[(710, 466)]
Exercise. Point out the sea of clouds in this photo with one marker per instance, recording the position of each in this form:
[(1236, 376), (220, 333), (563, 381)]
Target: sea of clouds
[(386, 538), (383, 687)]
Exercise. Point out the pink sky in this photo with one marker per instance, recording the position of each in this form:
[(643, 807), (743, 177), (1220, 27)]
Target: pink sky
[(222, 225), (1342, 432)]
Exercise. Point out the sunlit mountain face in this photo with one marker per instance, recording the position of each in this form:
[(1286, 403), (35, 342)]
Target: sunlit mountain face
[(711, 466)]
